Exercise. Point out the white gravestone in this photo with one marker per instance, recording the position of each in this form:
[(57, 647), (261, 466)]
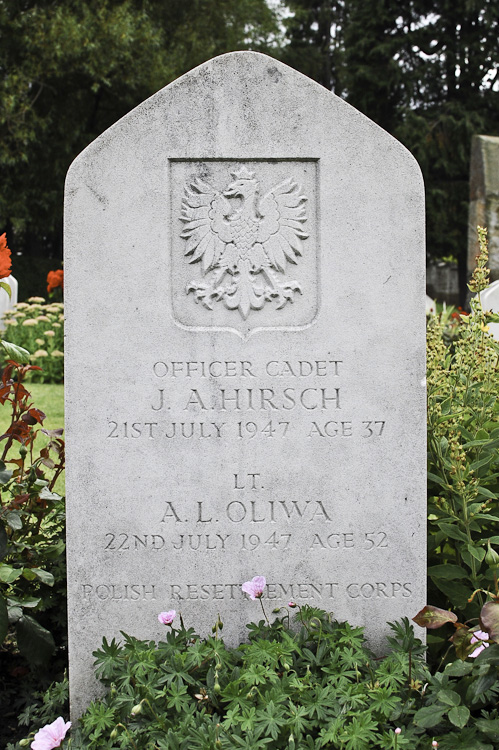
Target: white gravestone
[(6, 302), (247, 399), (489, 299)]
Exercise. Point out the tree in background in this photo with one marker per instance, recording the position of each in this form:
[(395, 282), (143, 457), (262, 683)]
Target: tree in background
[(424, 70), (70, 68)]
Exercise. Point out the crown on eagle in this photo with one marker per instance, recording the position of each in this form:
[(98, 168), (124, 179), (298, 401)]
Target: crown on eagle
[(242, 174)]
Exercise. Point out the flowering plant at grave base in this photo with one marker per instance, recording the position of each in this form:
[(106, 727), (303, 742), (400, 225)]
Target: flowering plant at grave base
[(39, 327), (312, 685), (31, 515), (5, 263)]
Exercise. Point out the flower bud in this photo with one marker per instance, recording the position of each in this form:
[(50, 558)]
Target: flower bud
[(113, 734), (23, 451), (491, 558), (216, 686), (23, 743), (137, 709)]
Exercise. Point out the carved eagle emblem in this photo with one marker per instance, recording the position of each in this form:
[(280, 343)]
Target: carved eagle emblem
[(243, 241)]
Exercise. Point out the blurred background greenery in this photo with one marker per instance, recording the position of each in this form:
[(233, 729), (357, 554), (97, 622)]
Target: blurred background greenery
[(425, 71)]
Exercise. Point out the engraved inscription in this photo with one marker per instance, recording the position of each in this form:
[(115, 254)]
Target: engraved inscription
[(118, 591), (296, 591), (243, 241), (246, 542)]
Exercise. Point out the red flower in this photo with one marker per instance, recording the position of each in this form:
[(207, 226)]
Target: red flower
[(55, 279), (5, 260)]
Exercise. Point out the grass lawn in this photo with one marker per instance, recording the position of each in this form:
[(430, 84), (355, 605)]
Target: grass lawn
[(50, 399)]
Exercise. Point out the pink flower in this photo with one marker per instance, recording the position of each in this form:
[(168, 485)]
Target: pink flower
[(398, 730), (254, 588), (479, 637), (51, 735), (166, 618), (292, 605), (434, 743)]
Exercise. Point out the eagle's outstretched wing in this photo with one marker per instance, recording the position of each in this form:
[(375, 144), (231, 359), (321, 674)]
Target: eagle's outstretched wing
[(206, 231), (281, 228)]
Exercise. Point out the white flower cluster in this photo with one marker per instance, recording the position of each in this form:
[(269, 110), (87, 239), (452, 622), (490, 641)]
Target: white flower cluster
[(38, 326)]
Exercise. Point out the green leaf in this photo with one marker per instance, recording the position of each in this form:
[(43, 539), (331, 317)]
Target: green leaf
[(481, 462), (449, 697), (4, 285), (480, 686), (17, 353), (437, 480), (29, 601), (9, 574), (477, 552), (458, 668), (46, 494), (34, 641), (482, 435), (452, 531), (486, 493), (490, 727), (457, 593), (13, 519), (429, 716), (15, 613), (5, 474), (459, 716), (489, 656), (4, 620), (44, 576), (448, 572)]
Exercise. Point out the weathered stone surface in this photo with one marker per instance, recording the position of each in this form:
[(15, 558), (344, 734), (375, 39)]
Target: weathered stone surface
[(484, 200), (489, 299), (248, 397)]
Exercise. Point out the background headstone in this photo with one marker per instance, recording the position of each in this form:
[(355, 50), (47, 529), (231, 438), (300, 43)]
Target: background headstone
[(248, 396), (442, 282), (489, 299), (6, 302), (484, 200)]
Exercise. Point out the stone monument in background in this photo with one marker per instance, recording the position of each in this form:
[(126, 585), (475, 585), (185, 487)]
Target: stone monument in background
[(484, 200), (248, 397)]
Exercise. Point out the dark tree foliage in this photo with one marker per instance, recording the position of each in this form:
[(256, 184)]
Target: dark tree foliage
[(70, 68), (426, 71)]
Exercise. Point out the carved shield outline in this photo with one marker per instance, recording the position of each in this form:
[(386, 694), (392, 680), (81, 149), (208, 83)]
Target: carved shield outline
[(179, 168)]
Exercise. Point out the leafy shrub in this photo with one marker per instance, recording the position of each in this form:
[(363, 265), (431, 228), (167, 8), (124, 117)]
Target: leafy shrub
[(31, 516), (39, 327), (463, 456), (311, 686)]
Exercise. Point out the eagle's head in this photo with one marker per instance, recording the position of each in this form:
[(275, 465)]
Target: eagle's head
[(244, 184)]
